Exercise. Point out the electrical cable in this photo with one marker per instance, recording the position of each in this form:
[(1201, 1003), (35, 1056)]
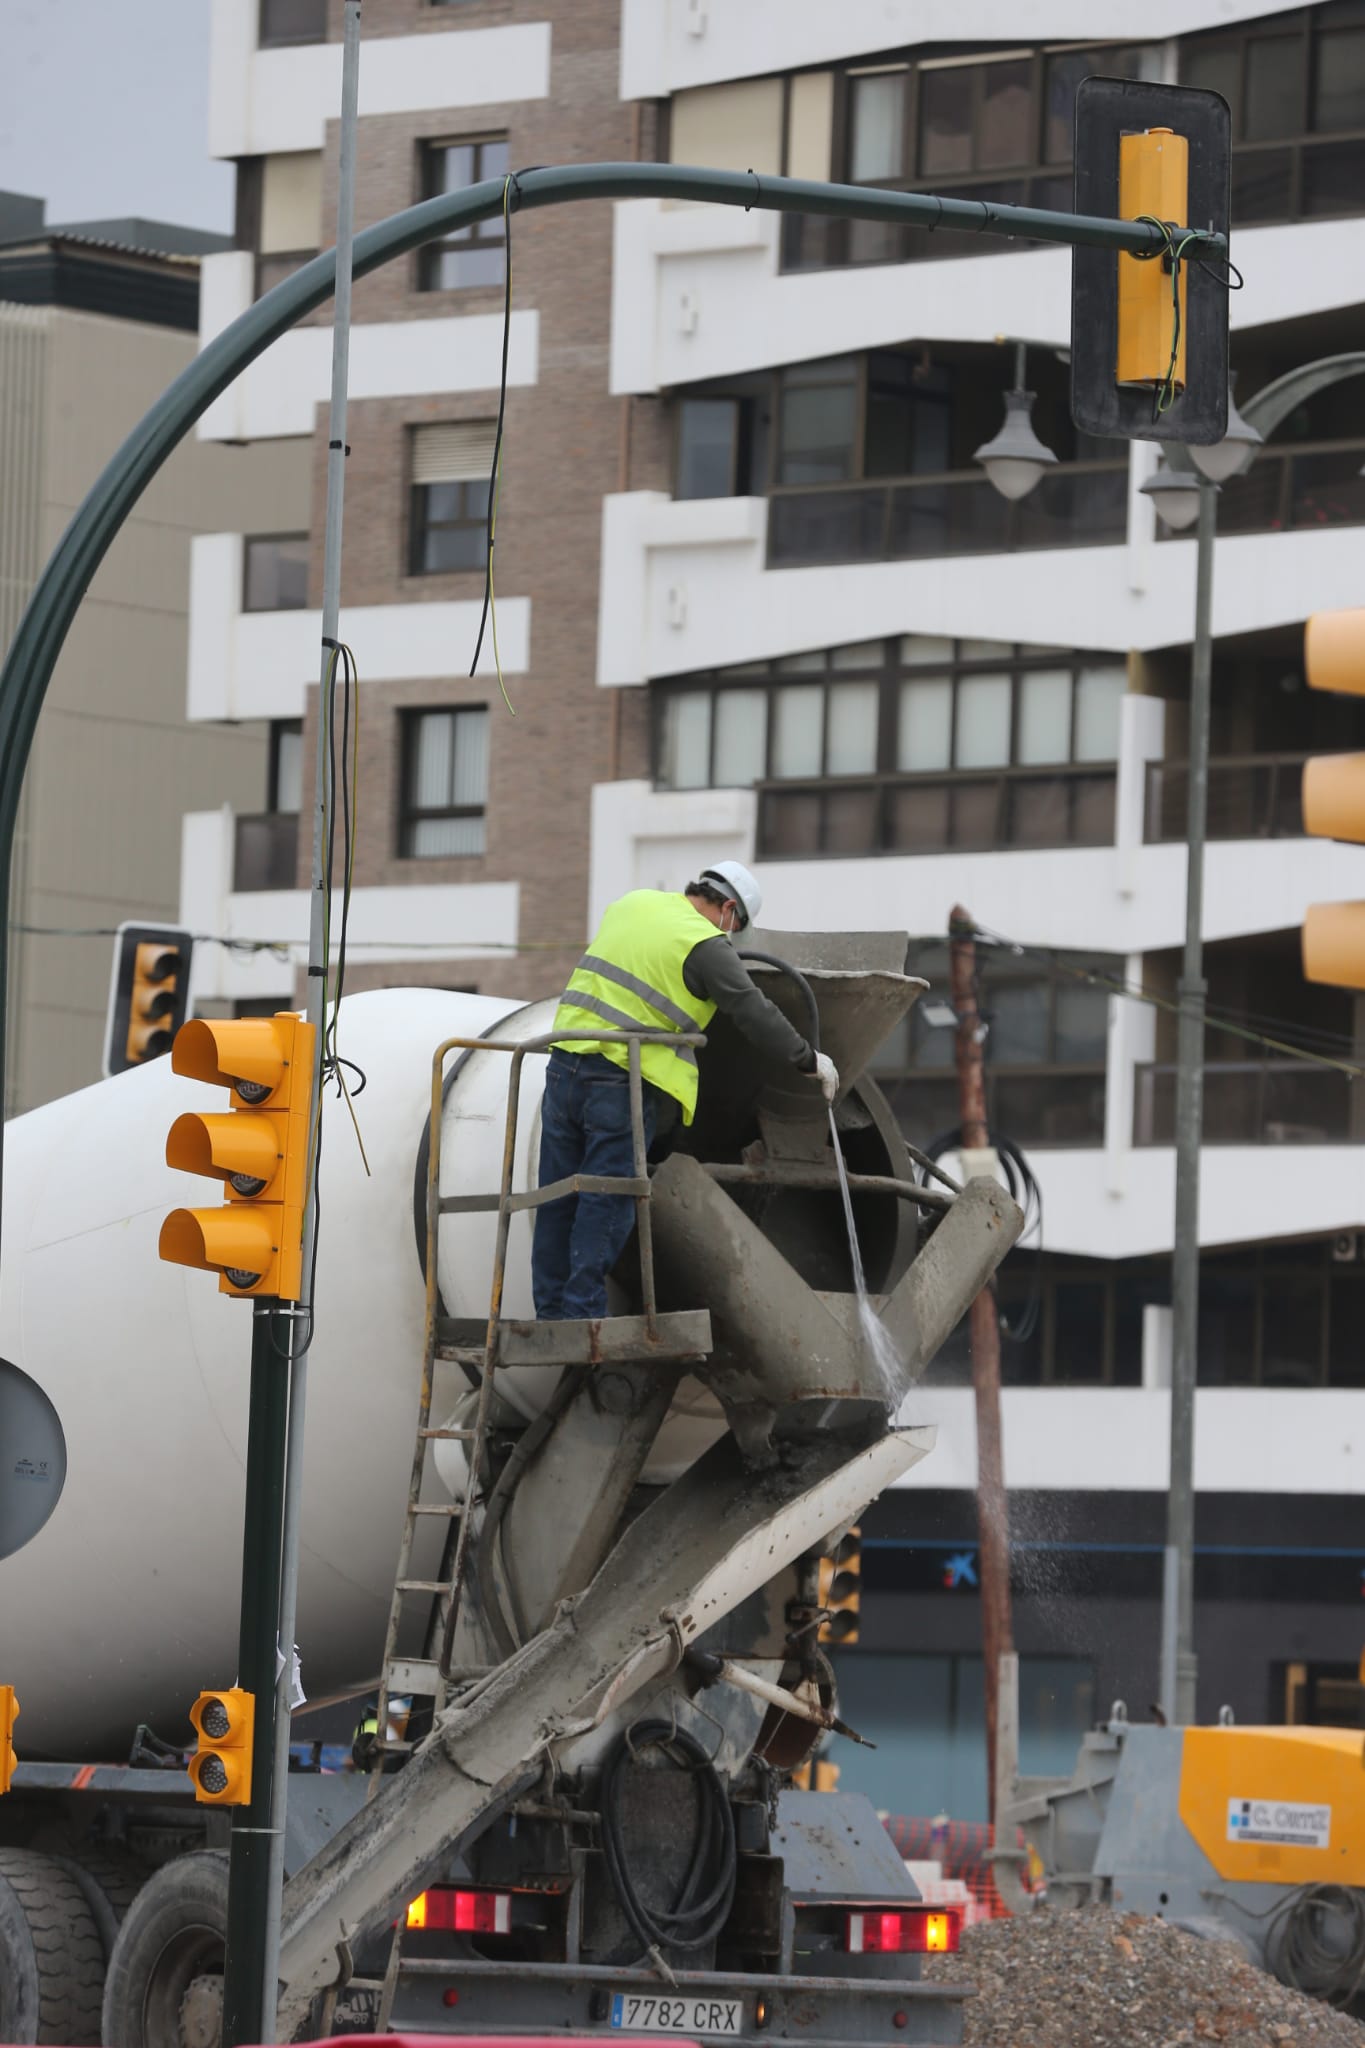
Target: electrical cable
[(490, 603), (1330, 1966), (1215, 1019), (707, 1892), (1024, 1188), (1165, 395), (798, 979)]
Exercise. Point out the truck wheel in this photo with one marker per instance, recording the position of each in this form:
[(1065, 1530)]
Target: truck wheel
[(174, 1933), (109, 1883), (51, 1955)]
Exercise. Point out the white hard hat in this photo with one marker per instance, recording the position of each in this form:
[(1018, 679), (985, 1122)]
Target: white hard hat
[(738, 883)]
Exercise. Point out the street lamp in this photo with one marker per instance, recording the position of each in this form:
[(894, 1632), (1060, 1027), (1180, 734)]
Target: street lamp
[(1016, 459), (1234, 454), (1175, 494)]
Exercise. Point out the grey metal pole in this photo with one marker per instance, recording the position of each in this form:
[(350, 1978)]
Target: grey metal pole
[(1179, 1666), (317, 960)]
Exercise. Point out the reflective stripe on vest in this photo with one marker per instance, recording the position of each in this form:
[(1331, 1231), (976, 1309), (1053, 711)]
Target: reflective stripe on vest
[(632, 979)]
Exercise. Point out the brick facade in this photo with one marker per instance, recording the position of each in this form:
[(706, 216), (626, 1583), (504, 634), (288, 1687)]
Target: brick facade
[(567, 444)]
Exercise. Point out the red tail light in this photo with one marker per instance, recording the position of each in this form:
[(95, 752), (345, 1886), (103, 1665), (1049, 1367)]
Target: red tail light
[(444, 1910), (920, 1932)]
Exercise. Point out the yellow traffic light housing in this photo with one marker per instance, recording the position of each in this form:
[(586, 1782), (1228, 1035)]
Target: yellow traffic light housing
[(259, 1151), (841, 1590), (9, 1714), (148, 995), (1334, 800), (221, 1766), (1153, 184)]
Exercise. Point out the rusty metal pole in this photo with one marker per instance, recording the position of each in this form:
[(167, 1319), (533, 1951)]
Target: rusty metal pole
[(992, 1507)]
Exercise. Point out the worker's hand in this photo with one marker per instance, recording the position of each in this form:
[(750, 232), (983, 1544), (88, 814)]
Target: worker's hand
[(827, 1074)]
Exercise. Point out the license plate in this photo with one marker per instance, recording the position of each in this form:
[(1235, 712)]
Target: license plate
[(640, 2013)]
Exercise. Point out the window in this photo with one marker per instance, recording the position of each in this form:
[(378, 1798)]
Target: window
[(265, 846), (872, 457), (292, 21), (917, 744), (473, 255), (445, 783), (448, 524), (1296, 87), (275, 572), (286, 765), (972, 128), (1046, 1048)]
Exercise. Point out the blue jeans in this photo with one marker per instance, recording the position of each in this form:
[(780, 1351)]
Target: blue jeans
[(584, 1128)]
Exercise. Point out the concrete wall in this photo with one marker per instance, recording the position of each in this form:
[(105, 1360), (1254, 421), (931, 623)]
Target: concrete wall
[(115, 761)]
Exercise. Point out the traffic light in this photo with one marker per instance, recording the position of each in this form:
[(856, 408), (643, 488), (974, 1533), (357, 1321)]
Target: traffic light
[(1153, 334), (148, 994), (841, 1589), (1334, 800), (816, 1775), (221, 1766), (9, 1714), (1139, 370), (258, 1149)]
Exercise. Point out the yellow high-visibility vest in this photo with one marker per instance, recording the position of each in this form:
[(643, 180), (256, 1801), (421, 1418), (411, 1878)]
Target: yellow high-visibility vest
[(631, 977)]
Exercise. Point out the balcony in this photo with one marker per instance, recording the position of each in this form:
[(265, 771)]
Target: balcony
[(1251, 796), (1250, 1102), (1067, 804), (1079, 504), (1300, 488), (265, 851)]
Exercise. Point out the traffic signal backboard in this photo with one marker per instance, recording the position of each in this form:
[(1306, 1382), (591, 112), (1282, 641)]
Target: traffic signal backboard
[(148, 994), (1149, 339)]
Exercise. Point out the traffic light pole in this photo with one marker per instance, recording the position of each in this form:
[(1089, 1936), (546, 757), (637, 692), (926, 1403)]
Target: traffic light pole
[(316, 998), (324, 805), (1179, 1665), (250, 1973)]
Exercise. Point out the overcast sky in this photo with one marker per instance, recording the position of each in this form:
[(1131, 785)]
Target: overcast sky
[(103, 110)]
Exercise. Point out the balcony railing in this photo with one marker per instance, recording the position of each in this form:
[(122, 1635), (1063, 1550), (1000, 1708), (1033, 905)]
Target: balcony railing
[(1250, 1102), (265, 851), (959, 512), (1292, 490), (1251, 796), (1059, 1106), (1066, 805)]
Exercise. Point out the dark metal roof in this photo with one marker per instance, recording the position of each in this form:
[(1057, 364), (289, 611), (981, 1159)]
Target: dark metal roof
[(99, 277), (131, 231)]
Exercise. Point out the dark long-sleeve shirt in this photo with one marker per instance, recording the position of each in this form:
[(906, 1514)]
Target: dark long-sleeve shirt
[(714, 971)]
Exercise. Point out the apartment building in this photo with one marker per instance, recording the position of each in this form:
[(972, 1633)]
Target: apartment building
[(96, 319), (761, 601)]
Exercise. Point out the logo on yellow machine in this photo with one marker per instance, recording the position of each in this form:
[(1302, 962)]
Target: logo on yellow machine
[(1278, 1820)]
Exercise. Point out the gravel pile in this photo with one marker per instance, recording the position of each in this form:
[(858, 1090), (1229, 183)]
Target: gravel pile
[(1100, 1979)]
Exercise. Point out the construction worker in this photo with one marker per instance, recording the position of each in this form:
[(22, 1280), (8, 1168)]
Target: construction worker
[(659, 962)]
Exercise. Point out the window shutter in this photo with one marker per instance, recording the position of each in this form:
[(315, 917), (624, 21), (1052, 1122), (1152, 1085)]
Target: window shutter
[(454, 452)]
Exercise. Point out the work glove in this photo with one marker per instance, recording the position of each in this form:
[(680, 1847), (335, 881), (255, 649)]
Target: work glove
[(827, 1074)]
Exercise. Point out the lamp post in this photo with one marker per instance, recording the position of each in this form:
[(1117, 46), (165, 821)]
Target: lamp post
[(1180, 498)]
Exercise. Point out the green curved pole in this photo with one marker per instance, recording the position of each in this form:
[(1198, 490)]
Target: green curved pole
[(57, 594)]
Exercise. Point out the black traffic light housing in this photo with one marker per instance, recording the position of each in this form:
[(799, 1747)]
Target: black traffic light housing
[(1106, 110), (148, 994)]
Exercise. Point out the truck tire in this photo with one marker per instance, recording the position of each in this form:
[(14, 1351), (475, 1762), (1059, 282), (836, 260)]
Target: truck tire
[(174, 1932), (51, 1955), (109, 1883)]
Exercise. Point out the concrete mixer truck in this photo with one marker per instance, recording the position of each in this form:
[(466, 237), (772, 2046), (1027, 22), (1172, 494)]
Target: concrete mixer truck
[(598, 1658)]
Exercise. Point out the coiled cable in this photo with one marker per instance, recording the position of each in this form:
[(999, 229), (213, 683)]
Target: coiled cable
[(708, 1889)]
